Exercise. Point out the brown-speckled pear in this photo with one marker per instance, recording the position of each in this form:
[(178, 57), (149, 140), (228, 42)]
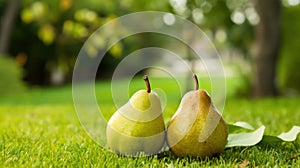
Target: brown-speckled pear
[(197, 128)]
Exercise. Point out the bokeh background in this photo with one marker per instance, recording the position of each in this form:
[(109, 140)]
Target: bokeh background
[(257, 40)]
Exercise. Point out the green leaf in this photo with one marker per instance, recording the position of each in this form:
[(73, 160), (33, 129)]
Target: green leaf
[(244, 125), (239, 126), (291, 135), (288, 136), (246, 139), (233, 128), (269, 139)]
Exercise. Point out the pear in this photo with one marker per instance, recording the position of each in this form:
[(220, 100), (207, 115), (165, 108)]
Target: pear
[(197, 128), (137, 128)]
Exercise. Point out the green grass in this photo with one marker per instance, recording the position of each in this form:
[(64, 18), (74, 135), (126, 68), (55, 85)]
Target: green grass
[(41, 128)]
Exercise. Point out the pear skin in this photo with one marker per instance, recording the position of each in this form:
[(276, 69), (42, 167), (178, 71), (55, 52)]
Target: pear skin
[(197, 128), (138, 126)]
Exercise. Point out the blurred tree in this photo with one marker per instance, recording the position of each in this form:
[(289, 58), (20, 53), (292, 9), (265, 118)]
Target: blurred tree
[(242, 20), (7, 22), (10, 71), (267, 42)]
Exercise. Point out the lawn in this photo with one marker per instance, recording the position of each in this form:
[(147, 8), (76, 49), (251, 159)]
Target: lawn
[(41, 128)]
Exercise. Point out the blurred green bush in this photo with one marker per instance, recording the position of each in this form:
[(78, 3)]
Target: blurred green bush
[(10, 77), (289, 61)]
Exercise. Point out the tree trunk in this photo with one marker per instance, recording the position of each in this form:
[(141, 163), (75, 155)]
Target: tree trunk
[(267, 43), (7, 24)]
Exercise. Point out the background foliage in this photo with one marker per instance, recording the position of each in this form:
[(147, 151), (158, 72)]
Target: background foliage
[(289, 78), (11, 77), (48, 35)]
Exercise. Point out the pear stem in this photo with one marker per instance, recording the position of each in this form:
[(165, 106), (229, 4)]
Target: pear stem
[(147, 83), (196, 84)]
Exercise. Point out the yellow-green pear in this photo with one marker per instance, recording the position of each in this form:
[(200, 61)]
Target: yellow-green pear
[(138, 126), (197, 128)]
